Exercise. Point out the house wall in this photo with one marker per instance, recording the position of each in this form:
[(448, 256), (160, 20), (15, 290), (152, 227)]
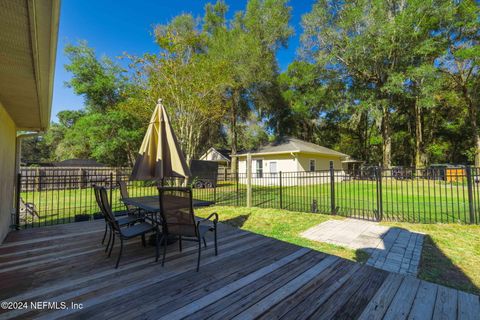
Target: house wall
[(285, 163), (7, 170), (289, 165), (321, 163)]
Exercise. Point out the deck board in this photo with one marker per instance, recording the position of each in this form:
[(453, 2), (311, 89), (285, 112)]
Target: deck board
[(252, 277)]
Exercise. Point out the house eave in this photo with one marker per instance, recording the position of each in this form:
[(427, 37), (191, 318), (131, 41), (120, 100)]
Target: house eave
[(29, 44)]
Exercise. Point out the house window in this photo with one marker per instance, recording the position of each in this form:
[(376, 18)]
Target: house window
[(312, 165), (273, 167), (259, 168)]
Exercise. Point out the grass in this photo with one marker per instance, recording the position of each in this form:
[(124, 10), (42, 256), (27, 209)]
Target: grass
[(282, 225), (451, 252)]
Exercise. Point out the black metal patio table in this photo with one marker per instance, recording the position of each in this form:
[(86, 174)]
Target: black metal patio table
[(151, 206)]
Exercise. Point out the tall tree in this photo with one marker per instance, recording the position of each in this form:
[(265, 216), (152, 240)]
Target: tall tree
[(101, 82), (247, 50), (461, 64), (365, 41)]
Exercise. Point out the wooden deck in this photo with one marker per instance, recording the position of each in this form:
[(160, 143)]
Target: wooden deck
[(253, 277)]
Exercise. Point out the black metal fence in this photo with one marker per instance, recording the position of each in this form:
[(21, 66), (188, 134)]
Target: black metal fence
[(445, 195)]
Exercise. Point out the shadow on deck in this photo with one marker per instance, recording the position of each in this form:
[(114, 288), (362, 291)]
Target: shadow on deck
[(253, 277)]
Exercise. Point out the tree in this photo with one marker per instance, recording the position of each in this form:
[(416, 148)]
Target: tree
[(101, 82), (364, 42), (112, 138), (247, 50), (189, 83), (461, 65)]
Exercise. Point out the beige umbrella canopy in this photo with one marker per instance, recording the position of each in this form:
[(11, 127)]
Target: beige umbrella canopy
[(160, 155)]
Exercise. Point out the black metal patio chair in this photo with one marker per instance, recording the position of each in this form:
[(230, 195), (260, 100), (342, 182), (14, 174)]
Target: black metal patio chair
[(122, 221), (139, 229), (178, 220), (130, 210)]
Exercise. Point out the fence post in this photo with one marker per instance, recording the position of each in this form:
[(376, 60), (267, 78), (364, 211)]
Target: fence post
[(17, 201), (236, 187), (111, 190), (379, 194), (215, 192), (333, 207), (38, 180), (471, 210), (280, 184), (249, 180)]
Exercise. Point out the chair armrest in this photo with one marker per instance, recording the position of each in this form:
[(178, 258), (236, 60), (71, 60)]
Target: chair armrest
[(209, 218)]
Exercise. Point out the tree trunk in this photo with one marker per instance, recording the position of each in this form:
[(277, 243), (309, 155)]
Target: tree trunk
[(233, 131), (475, 134), (420, 157), (386, 138), (472, 111)]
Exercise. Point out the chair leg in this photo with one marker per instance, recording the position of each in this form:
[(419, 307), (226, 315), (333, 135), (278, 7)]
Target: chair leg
[(120, 253), (204, 242), (109, 239), (199, 253), (164, 237), (143, 240), (180, 243), (113, 243), (156, 246), (215, 236), (104, 234)]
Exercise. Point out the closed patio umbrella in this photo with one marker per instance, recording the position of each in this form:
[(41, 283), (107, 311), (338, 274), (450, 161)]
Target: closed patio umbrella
[(160, 155)]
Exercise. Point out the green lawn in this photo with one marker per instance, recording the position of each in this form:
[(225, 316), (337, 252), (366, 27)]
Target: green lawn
[(451, 253), (282, 225), (410, 200)]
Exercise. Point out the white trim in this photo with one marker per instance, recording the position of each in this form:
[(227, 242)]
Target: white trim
[(212, 149), (326, 155)]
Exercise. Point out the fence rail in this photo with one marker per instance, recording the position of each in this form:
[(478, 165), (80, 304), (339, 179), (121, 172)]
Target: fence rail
[(411, 195)]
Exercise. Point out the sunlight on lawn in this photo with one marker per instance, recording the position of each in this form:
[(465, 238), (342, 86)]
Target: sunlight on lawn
[(282, 225)]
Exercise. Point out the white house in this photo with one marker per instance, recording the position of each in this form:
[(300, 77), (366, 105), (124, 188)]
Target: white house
[(299, 161)]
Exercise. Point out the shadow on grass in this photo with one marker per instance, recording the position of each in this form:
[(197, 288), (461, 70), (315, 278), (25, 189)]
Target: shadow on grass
[(436, 267), (238, 221), (361, 256), (433, 265)]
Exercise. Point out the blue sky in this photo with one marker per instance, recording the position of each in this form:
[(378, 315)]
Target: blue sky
[(114, 27)]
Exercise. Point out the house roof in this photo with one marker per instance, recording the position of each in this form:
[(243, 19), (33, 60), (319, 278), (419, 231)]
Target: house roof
[(224, 154), (293, 145), (28, 42)]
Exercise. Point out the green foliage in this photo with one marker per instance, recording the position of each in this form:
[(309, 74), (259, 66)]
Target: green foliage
[(101, 82), (112, 138), (383, 81), (375, 72)]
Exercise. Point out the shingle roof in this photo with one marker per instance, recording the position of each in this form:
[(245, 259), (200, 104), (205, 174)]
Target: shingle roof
[(289, 144)]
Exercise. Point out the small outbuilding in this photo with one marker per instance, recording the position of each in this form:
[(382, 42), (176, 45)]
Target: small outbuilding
[(222, 156)]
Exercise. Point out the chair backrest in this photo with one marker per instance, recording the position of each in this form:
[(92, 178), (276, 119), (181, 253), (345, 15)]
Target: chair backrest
[(96, 191), (176, 211), (124, 193), (102, 199)]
